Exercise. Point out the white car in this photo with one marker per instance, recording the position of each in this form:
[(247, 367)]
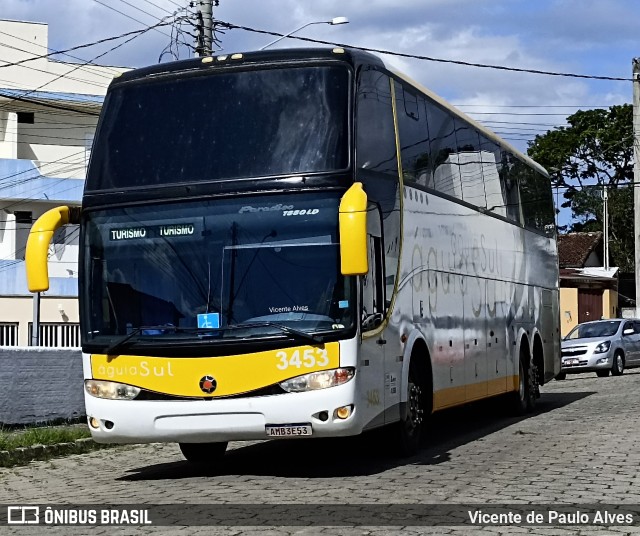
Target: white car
[(601, 346)]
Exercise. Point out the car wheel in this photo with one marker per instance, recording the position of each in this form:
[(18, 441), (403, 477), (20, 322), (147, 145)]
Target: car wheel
[(204, 454), (602, 373), (561, 376), (618, 364)]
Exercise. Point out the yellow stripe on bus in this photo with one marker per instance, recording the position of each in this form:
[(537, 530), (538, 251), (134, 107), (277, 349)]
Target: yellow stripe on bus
[(232, 374), (456, 396)]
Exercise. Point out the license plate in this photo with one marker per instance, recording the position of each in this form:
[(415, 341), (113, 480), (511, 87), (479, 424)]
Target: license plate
[(571, 361), (288, 430)]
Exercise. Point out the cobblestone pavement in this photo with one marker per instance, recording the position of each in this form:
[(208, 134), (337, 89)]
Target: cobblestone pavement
[(581, 447)]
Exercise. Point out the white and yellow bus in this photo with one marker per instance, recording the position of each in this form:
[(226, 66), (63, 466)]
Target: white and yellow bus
[(302, 243)]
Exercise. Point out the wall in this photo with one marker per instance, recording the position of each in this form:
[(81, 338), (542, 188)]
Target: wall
[(610, 304), (40, 385), (52, 309), (568, 309)]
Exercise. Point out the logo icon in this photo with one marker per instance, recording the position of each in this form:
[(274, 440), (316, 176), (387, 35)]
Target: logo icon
[(208, 384), (23, 515)]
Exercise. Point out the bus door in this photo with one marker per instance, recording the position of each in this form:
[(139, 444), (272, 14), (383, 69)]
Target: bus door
[(372, 367)]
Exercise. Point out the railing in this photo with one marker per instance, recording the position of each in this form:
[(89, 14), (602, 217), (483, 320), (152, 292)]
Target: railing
[(8, 334), (57, 334)]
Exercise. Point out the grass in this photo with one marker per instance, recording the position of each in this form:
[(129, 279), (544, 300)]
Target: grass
[(11, 439)]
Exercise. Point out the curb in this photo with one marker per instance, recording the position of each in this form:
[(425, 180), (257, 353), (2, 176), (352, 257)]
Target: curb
[(24, 455)]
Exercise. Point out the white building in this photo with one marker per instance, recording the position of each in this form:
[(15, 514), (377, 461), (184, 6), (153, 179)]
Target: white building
[(48, 115)]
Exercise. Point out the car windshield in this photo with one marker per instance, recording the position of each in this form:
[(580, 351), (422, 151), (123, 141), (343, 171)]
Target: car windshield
[(225, 269), (591, 330)]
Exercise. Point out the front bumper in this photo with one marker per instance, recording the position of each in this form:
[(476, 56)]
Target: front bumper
[(591, 363), (199, 421)]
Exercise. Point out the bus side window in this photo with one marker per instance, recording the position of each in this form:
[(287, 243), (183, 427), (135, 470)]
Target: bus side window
[(375, 134), (372, 284), (414, 137), (442, 141), (469, 163), (510, 190), (491, 157)]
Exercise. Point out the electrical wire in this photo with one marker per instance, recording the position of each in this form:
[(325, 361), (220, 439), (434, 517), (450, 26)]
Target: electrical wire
[(231, 26), (86, 45)]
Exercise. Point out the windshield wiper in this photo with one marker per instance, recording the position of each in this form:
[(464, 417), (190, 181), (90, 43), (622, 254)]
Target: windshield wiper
[(121, 343), (285, 329)]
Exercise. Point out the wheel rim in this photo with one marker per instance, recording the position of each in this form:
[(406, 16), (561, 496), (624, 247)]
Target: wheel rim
[(521, 382), (416, 412), (620, 363)]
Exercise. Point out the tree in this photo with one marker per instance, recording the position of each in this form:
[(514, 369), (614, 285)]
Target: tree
[(594, 152)]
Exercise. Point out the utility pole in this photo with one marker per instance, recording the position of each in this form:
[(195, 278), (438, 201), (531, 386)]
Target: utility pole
[(636, 174), (605, 217), (204, 39)]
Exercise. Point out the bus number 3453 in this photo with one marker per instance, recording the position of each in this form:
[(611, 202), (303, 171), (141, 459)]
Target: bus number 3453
[(309, 358)]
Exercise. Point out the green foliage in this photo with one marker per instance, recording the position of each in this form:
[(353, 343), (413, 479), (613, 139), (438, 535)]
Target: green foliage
[(593, 152), (46, 435)]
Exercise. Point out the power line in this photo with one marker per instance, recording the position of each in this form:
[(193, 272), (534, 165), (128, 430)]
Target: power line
[(96, 70), (426, 58), (536, 105), (129, 16), (86, 45), (79, 66)]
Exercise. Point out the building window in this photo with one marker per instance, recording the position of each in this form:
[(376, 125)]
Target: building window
[(26, 117), (23, 216)]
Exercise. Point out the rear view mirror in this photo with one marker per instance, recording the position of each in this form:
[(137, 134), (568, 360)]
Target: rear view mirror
[(628, 331), (353, 231)]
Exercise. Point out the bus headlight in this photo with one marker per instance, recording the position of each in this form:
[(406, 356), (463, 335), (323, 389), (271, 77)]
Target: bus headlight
[(318, 380), (110, 390)]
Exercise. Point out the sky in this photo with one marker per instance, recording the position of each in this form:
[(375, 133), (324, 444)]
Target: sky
[(591, 37)]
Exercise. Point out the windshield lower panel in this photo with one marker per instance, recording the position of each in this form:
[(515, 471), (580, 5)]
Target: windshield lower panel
[(214, 271)]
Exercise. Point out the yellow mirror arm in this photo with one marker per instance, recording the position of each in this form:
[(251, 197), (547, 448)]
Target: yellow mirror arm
[(36, 255)]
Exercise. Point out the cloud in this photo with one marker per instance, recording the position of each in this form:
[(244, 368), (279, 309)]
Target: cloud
[(582, 36)]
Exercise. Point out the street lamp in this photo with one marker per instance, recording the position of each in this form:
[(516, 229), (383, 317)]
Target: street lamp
[(334, 22)]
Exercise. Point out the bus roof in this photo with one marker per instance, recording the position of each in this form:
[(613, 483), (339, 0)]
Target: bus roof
[(351, 56)]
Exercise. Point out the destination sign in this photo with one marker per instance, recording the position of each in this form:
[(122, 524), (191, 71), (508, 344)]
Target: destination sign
[(166, 230)]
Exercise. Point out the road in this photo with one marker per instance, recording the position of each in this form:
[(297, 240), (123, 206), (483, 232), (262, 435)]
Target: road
[(580, 447)]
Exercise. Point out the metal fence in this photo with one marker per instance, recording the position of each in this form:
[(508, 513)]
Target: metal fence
[(57, 334), (8, 334)]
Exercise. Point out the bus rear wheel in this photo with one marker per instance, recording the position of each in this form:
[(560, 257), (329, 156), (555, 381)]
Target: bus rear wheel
[(203, 453), (524, 399)]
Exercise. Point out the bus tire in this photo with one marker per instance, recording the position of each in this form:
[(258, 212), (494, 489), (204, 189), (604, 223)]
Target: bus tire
[(411, 426), (524, 399), (203, 453)]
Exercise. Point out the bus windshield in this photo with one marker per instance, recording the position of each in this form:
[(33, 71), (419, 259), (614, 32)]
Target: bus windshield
[(225, 269), (226, 125)]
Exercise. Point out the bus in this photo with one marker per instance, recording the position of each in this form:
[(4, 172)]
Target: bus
[(302, 243)]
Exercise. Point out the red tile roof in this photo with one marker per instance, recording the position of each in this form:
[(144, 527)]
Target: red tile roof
[(574, 248)]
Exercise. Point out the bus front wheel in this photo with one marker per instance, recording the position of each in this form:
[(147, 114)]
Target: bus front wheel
[(203, 453), (411, 425)]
